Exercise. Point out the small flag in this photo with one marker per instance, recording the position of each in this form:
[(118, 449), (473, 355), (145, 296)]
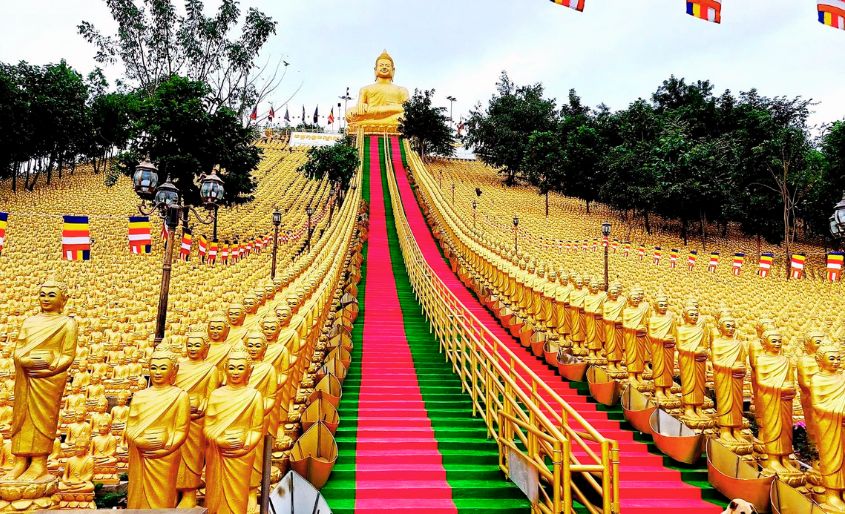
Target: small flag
[(832, 13), (673, 258), (657, 254), (202, 248), (224, 253), (835, 261), (796, 265), (287, 115), (185, 249), (641, 251), (714, 261), (578, 5), (4, 220), (710, 10), (595, 244), (212, 252), (614, 245), (303, 114), (140, 240), (331, 116), (604, 241), (316, 114), (693, 256), (76, 238), (765, 264), (738, 261), (626, 249), (254, 114), (271, 114)]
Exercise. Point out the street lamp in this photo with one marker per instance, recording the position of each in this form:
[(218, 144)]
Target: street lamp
[(452, 101), (474, 207), (345, 99), (605, 231), (167, 203), (277, 220), (516, 234), (309, 211)]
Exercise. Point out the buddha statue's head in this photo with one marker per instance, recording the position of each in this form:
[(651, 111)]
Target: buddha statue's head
[(102, 404), (269, 290), (614, 290), (661, 303), (122, 398), (691, 313), (283, 313), (577, 281), (52, 296), (256, 345), (163, 365), (197, 346), (104, 428), (250, 304), (235, 314), (81, 447), (238, 366), (637, 295), (217, 327), (727, 324), (270, 327), (763, 324), (79, 416), (772, 341), (829, 358), (813, 340)]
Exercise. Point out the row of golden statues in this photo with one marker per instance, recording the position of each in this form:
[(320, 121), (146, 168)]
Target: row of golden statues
[(645, 346)]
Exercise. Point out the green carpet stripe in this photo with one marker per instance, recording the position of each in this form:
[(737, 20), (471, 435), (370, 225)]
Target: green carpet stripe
[(469, 457), (337, 491)]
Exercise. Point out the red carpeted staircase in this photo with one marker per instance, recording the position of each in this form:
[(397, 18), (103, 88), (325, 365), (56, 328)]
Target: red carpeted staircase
[(646, 485)]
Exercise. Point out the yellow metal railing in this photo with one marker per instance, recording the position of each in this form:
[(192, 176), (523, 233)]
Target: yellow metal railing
[(522, 413)]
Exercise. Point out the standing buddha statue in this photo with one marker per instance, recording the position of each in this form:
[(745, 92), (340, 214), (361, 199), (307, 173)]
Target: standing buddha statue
[(613, 340), (807, 367), (693, 342), (661, 337), (578, 333), (728, 358), (593, 325), (265, 380), (827, 400), (634, 330), (218, 336)]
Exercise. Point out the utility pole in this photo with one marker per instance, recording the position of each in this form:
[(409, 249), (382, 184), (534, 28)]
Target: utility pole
[(452, 101)]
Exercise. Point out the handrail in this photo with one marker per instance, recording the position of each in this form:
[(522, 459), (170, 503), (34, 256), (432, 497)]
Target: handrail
[(521, 411)]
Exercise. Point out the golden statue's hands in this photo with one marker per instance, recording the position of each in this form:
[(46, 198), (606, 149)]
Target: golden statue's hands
[(230, 443)]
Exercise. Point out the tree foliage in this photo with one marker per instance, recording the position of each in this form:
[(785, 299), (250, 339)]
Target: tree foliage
[(426, 126), (336, 163)]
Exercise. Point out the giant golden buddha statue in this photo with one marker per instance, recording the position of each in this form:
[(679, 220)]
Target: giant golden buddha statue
[(379, 104)]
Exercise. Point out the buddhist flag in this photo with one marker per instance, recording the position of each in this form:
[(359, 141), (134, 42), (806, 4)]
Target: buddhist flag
[(316, 114), (832, 13), (185, 249), (641, 251), (248, 248), (584, 245), (212, 252), (657, 255), (287, 115), (796, 265), (271, 114), (578, 5), (710, 10), (714, 262), (835, 261), (739, 260), (331, 116), (765, 264), (673, 258), (614, 245), (140, 240), (626, 249), (224, 253), (254, 114), (76, 238), (4, 220), (202, 248)]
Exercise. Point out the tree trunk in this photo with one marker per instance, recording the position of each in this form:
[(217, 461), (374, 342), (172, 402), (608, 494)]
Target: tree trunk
[(50, 169), (759, 247), (703, 231), (588, 206), (786, 231), (647, 223), (15, 179), (684, 234), (547, 204)]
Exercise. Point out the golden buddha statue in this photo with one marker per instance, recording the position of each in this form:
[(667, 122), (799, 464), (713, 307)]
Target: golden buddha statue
[(79, 471), (7, 363), (807, 367), (198, 378), (773, 396), (693, 341), (7, 462), (250, 304), (82, 378), (827, 400), (100, 414), (45, 349), (234, 425), (265, 380), (236, 315), (6, 414), (661, 337), (380, 105), (578, 332), (634, 329), (120, 413), (593, 321), (218, 336), (95, 390), (104, 451), (77, 431), (157, 428), (562, 292), (728, 358)]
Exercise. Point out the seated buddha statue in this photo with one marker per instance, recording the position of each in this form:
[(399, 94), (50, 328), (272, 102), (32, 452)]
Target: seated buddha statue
[(82, 378), (95, 390), (100, 414), (380, 105), (7, 364), (120, 413), (6, 413), (79, 430), (104, 450), (79, 471)]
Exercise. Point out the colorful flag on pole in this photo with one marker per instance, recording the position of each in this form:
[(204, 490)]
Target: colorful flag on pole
[(316, 114), (202, 248), (271, 114), (832, 13), (796, 265), (710, 10), (224, 253), (657, 255), (4, 221), (673, 258), (626, 249), (693, 256), (331, 116), (578, 5), (185, 249), (254, 114), (765, 264), (76, 238), (140, 240), (614, 245), (212, 252), (714, 261), (739, 260), (641, 251), (835, 260)]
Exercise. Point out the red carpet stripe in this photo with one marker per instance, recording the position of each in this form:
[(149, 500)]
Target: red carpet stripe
[(387, 367), (646, 486)]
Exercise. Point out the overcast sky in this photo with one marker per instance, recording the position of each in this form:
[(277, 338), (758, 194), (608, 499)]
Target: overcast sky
[(613, 52)]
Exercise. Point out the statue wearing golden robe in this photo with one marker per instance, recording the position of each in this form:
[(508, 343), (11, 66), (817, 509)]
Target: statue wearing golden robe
[(807, 367), (265, 380), (613, 341), (693, 342), (157, 428), (234, 425), (827, 398), (634, 330), (218, 330), (773, 397), (79, 471), (728, 358), (661, 337), (380, 105), (594, 323), (279, 357), (578, 332), (45, 349), (198, 378)]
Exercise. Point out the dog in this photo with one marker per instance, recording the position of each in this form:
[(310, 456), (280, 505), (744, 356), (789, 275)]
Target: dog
[(739, 506)]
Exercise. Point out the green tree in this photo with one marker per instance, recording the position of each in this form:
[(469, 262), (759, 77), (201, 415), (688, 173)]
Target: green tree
[(543, 163), (426, 126), (336, 163)]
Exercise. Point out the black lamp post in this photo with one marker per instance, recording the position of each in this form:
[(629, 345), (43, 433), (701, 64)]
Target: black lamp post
[(277, 220), (516, 234), (474, 207), (605, 231), (309, 211), (453, 193), (166, 201), (452, 101)]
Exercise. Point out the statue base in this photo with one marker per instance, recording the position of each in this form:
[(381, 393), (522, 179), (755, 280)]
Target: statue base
[(738, 447), (698, 422), (23, 496), (75, 501), (373, 127)]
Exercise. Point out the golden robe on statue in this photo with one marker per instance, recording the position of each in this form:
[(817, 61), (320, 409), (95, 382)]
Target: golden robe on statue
[(265, 380), (773, 401), (154, 411), (691, 340), (230, 411), (198, 379), (37, 400), (828, 400), (728, 357), (661, 334)]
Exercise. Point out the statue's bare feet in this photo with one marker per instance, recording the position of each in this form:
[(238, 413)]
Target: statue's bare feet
[(37, 470), (19, 469)]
